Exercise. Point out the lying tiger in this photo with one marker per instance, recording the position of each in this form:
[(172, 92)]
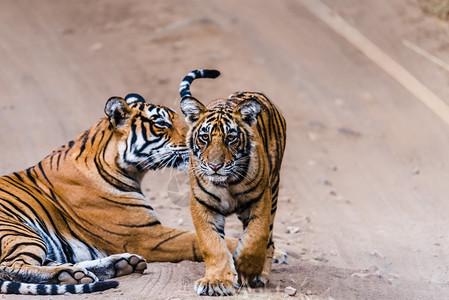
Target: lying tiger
[(65, 221), (237, 145)]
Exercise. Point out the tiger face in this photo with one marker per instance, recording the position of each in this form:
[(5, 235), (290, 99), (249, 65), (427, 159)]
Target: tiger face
[(151, 136), (220, 138)]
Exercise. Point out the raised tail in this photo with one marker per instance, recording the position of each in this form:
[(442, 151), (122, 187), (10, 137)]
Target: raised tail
[(184, 87), (20, 288)]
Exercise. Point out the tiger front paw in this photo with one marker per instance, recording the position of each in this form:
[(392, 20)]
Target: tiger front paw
[(249, 268), (129, 263), (215, 287)]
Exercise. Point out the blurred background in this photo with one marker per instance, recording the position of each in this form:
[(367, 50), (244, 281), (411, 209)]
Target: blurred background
[(362, 84)]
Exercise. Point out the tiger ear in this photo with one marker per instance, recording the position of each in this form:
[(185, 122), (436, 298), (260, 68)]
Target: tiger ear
[(249, 110), (134, 98), (117, 110), (192, 109)]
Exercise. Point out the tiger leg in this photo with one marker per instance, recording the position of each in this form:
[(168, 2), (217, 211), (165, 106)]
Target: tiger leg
[(251, 254), (273, 255), (221, 276), (168, 244), (23, 253), (114, 265)]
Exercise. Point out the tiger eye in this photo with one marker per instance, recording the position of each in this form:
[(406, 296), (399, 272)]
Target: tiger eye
[(231, 138)]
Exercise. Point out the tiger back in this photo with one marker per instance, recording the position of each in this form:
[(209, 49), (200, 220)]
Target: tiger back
[(237, 145)]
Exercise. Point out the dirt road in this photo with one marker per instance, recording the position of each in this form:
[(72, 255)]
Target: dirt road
[(363, 202)]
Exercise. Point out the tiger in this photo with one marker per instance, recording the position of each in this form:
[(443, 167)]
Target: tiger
[(236, 149), (79, 217)]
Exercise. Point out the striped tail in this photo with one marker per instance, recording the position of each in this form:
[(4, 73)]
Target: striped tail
[(184, 87), (20, 288)]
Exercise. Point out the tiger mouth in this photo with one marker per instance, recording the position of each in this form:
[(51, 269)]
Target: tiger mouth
[(217, 178)]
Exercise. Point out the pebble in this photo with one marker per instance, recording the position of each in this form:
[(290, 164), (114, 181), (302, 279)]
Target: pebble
[(293, 229), (163, 80), (347, 131), (333, 168), (320, 257), (316, 124), (324, 181), (312, 136), (372, 268), (364, 275), (291, 291), (376, 254), (96, 47)]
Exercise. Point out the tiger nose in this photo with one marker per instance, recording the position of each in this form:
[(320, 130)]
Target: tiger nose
[(215, 167)]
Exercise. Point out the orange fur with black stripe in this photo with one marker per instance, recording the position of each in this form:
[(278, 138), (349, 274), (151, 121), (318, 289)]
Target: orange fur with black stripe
[(237, 145), (83, 205)]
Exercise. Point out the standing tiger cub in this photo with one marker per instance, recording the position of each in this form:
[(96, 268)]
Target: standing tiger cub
[(236, 145)]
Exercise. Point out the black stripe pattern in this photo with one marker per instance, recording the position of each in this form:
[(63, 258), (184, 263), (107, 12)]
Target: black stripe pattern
[(19, 288), (184, 87), (237, 145), (47, 212)]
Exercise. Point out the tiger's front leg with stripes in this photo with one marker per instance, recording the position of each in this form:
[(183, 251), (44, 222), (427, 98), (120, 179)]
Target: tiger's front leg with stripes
[(221, 276), (253, 256)]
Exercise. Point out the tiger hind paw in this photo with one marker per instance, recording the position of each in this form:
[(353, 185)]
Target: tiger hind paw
[(280, 256)]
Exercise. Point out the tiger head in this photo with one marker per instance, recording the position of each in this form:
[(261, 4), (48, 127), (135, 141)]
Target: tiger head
[(221, 138), (150, 136)]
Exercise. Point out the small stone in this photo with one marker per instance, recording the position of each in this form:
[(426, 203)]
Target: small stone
[(180, 221), (320, 257), (333, 168), (416, 171), (316, 124), (324, 181), (349, 132), (163, 80), (96, 46), (363, 275), (293, 229), (376, 254), (291, 291), (311, 163), (373, 268), (312, 136)]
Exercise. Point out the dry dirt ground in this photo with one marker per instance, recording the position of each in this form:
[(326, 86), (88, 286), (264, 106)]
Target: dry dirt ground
[(364, 190)]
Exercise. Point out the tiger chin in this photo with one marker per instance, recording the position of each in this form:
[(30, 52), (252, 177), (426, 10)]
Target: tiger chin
[(237, 145), (70, 222)]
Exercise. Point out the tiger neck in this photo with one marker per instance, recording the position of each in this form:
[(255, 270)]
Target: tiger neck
[(92, 158)]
